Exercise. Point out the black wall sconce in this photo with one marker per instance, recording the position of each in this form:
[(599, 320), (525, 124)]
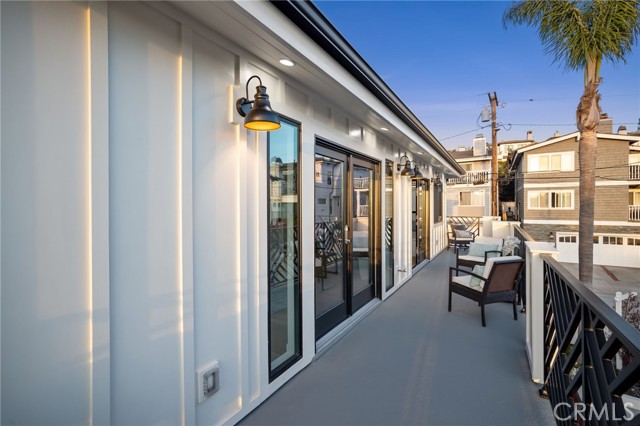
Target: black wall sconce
[(257, 113), (407, 171), (436, 178), (417, 175)]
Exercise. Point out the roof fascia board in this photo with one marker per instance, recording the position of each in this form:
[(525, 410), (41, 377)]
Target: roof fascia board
[(549, 142), (316, 26), (612, 136)]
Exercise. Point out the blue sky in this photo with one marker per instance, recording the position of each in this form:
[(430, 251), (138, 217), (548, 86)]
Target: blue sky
[(442, 57)]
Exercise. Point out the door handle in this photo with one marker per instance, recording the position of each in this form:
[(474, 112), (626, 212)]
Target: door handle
[(347, 240)]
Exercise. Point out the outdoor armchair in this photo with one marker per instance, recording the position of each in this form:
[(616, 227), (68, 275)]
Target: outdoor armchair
[(460, 235), (497, 281)]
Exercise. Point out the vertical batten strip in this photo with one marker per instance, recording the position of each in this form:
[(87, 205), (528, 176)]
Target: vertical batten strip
[(242, 236), (89, 212), (98, 212), (185, 231), (179, 230), (0, 230)]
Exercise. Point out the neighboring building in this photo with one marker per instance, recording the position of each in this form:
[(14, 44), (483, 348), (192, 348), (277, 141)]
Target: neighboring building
[(505, 148), (547, 192), (161, 264), (470, 195)]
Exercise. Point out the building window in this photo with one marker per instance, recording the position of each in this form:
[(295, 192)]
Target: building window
[(612, 240), (472, 198), (437, 203), (285, 319), (539, 200), (596, 239), (388, 226), (567, 239), (633, 241), (556, 162), (467, 167)]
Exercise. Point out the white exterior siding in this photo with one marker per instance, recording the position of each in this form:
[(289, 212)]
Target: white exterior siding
[(134, 225), (46, 260)]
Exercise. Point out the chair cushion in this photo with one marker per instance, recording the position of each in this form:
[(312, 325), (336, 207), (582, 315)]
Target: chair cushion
[(501, 259), (463, 234), (467, 258), (478, 249), (490, 240), (477, 282), (465, 280)]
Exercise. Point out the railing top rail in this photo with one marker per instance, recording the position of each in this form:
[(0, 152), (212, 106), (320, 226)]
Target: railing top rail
[(618, 325), (524, 233)]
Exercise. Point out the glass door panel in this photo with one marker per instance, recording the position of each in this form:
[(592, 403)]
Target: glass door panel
[(362, 226), (330, 227), (420, 221)]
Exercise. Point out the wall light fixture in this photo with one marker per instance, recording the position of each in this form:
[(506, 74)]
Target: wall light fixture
[(257, 114)]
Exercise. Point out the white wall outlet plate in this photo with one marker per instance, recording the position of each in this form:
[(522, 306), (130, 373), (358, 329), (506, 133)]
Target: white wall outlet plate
[(207, 381)]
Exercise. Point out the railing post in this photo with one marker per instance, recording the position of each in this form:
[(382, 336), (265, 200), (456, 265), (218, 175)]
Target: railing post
[(535, 305)]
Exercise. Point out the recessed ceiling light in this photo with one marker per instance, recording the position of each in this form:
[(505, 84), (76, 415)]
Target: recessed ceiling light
[(384, 129), (287, 62)]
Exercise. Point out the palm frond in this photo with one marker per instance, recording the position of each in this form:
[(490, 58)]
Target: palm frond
[(574, 30)]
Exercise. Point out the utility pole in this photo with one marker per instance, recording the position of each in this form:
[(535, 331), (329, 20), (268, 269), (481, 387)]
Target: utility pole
[(494, 154)]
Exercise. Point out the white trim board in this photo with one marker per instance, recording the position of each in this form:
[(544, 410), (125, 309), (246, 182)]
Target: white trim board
[(575, 222), (576, 184)]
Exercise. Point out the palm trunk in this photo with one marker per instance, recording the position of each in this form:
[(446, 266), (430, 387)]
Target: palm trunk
[(587, 119), (587, 158)]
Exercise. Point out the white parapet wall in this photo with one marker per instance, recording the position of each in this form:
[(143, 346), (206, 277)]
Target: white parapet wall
[(535, 305)]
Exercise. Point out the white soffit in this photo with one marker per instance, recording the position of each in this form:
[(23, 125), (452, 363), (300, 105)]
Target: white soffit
[(274, 36)]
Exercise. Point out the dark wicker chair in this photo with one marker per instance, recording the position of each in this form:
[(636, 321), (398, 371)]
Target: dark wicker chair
[(456, 241), (501, 280)]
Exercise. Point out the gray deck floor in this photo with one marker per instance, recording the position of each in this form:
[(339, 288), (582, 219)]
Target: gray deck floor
[(410, 362)]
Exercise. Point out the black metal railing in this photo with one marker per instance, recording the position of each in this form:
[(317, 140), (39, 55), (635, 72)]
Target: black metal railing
[(582, 337)]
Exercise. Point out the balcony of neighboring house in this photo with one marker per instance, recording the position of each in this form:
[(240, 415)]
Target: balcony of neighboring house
[(411, 361), (634, 204), (479, 177), (361, 183)]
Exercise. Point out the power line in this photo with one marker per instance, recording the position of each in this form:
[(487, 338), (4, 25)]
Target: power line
[(460, 134), (556, 124)]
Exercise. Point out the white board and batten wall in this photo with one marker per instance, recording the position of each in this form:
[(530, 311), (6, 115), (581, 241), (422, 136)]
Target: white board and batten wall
[(133, 218)]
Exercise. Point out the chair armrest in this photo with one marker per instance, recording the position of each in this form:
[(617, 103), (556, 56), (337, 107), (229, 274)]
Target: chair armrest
[(491, 251), (464, 271)]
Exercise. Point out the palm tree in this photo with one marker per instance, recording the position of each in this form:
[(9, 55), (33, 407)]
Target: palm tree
[(581, 34)]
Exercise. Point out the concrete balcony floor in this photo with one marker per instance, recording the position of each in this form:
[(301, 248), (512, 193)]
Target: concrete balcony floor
[(410, 362)]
